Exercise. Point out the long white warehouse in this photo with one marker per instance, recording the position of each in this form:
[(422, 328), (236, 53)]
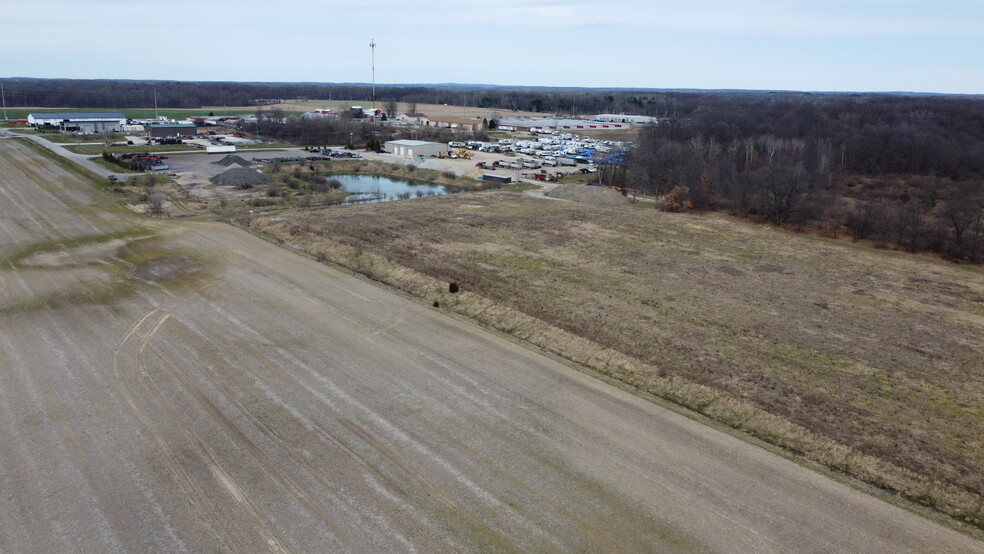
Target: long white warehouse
[(87, 123)]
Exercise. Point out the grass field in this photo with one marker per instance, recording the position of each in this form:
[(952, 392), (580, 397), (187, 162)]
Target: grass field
[(866, 361), (96, 149), (237, 397), (140, 113)]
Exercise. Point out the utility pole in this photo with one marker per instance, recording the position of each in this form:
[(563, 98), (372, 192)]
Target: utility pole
[(372, 46), (155, 103), (2, 95)]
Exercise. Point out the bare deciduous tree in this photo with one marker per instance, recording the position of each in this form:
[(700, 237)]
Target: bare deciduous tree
[(391, 108), (156, 199)]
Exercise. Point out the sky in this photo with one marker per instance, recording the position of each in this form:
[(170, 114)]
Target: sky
[(806, 45)]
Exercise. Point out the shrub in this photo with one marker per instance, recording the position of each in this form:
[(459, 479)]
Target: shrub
[(453, 287), (678, 199)]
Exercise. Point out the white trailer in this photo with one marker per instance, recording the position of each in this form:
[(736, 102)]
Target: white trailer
[(220, 149)]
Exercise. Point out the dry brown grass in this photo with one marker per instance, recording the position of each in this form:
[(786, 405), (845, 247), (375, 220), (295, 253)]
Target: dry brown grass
[(865, 361), (630, 134)]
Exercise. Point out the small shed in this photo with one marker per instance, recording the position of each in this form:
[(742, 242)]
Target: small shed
[(501, 179), (416, 148)]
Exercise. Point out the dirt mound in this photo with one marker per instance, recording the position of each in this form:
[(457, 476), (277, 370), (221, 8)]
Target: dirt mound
[(240, 176), (233, 159), (588, 194)]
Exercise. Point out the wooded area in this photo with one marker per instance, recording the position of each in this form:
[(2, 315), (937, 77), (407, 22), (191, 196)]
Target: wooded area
[(900, 171)]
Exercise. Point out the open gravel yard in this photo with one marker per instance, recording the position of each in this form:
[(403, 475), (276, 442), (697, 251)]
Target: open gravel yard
[(186, 386)]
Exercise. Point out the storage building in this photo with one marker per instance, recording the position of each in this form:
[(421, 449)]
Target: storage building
[(162, 130), (87, 123), (623, 118), (554, 124), (457, 123), (416, 148)]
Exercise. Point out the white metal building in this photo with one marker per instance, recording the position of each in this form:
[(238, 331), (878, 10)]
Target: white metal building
[(623, 118), (87, 123), (556, 124), (416, 148)]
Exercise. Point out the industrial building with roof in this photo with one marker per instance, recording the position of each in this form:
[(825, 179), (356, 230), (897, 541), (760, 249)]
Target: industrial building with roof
[(556, 124), (162, 130), (459, 123), (623, 118), (87, 123), (416, 148)]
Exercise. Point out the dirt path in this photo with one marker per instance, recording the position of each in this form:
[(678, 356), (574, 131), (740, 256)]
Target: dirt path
[(201, 390)]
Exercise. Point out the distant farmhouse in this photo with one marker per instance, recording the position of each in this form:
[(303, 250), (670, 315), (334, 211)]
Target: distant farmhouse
[(415, 118), (86, 123)]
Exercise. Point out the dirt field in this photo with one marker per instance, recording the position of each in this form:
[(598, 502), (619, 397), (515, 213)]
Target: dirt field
[(186, 386), (879, 352)]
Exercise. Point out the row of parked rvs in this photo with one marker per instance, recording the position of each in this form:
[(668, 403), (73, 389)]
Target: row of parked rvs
[(556, 149)]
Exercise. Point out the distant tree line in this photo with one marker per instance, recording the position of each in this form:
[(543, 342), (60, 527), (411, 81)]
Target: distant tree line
[(899, 171), (121, 94)]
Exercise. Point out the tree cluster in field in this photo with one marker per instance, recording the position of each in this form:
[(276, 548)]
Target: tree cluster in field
[(902, 172), (292, 127), (125, 164)]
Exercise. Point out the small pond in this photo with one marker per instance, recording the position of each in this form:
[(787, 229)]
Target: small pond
[(378, 188)]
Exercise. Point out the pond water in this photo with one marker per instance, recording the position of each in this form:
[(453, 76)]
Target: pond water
[(378, 188)]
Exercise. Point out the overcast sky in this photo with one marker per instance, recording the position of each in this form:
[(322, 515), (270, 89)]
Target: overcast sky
[(814, 45)]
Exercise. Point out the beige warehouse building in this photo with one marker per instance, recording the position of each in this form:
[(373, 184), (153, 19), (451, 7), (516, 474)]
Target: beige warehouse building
[(416, 148)]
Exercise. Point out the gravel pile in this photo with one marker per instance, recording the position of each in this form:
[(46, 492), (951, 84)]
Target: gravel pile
[(240, 176), (233, 159), (436, 165), (588, 194)]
